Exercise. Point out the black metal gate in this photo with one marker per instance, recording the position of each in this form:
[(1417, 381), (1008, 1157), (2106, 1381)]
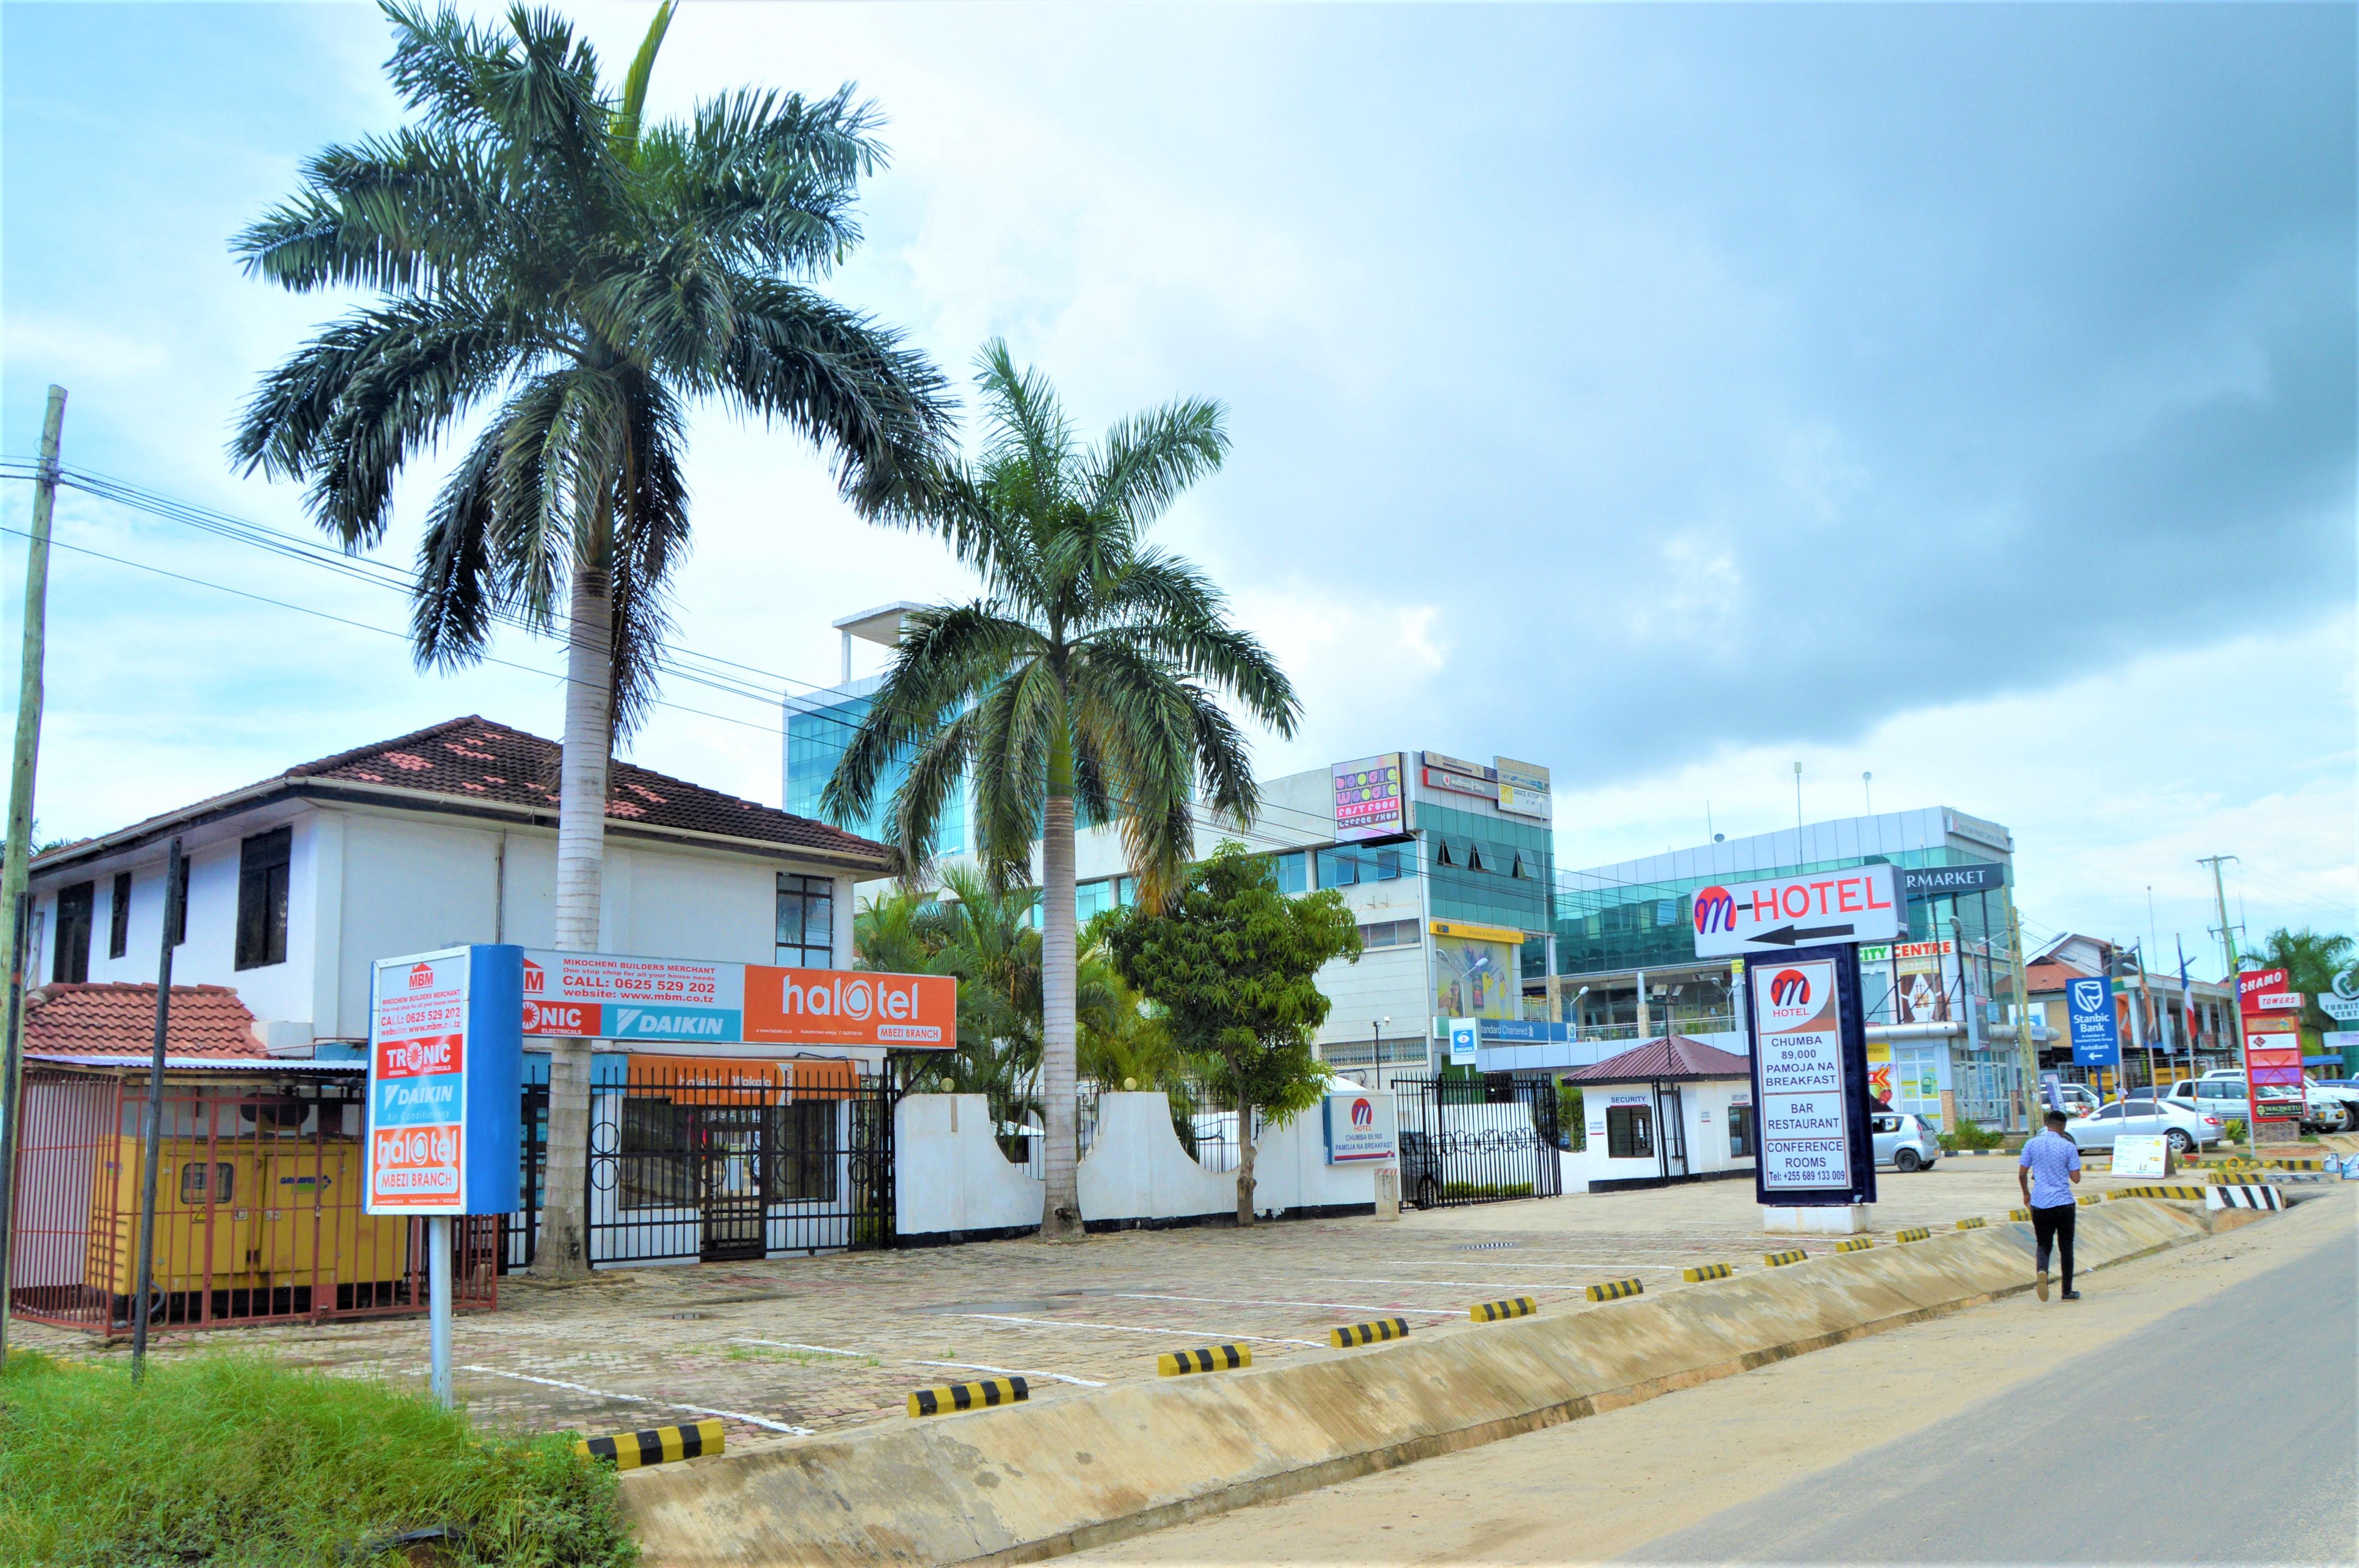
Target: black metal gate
[(714, 1171), (1466, 1141)]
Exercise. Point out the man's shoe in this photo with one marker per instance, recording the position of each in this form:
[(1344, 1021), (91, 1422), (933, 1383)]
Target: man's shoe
[(2040, 1284), (2069, 1296)]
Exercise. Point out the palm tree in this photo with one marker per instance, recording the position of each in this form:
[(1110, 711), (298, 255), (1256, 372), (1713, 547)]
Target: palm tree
[(1086, 679), (2311, 960), (536, 245)]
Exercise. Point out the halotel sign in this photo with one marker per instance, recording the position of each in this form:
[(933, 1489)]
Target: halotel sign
[(606, 996)]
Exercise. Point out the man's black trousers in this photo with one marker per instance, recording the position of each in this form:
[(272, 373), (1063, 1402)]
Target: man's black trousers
[(2055, 1225)]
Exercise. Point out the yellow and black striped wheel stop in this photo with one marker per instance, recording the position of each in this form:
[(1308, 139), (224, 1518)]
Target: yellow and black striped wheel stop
[(1702, 1272), (1856, 1244), (1916, 1233), (1616, 1290), (1368, 1333), (1212, 1359), (1779, 1259), (1496, 1312), (1974, 1224), (2018, 1214), (969, 1396), (656, 1446)]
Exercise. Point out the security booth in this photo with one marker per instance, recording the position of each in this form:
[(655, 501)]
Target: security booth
[(1673, 1109), (259, 1215)]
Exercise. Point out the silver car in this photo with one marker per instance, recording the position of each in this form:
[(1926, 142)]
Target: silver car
[(2185, 1128), (1903, 1142)]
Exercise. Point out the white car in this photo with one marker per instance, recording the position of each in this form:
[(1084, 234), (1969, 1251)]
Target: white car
[(2186, 1129), (2323, 1109)]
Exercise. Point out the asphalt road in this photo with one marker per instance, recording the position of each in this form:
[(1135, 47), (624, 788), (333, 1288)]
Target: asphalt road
[(2095, 1467)]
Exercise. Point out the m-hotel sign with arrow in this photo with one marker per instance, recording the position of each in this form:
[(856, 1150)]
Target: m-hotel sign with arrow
[(1860, 904)]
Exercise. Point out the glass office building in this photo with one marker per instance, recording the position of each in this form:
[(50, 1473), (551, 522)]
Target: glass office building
[(818, 728)]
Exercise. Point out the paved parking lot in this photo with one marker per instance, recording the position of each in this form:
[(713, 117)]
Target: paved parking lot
[(794, 1345)]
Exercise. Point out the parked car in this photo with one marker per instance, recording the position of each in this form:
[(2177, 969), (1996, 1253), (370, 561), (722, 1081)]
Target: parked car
[(2322, 1110), (2078, 1099), (1903, 1142), (2342, 1111), (2185, 1128), (2223, 1094)]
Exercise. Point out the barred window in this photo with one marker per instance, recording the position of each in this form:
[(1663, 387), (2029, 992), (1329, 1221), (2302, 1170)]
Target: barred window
[(653, 1169), (806, 922), (803, 1151), (1629, 1132)]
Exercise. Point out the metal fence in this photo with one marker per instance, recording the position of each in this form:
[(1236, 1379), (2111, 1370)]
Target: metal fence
[(696, 1159), (258, 1207), (1465, 1141)]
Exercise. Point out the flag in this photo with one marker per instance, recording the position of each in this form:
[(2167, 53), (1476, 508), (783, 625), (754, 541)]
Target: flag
[(2186, 995)]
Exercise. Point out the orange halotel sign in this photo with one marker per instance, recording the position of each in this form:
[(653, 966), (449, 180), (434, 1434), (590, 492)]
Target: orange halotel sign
[(850, 1006)]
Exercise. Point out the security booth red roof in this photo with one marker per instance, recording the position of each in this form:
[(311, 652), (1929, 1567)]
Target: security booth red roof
[(71, 1019), (1672, 1059)]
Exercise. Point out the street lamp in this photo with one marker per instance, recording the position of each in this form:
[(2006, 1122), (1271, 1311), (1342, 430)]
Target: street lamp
[(1376, 1046)]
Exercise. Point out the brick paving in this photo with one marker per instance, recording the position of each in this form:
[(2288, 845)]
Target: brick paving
[(791, 1345)]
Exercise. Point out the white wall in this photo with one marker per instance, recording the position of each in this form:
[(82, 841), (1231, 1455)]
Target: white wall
[(950, 1173), (1703, 1115), (1135, 1168), (366, 884)]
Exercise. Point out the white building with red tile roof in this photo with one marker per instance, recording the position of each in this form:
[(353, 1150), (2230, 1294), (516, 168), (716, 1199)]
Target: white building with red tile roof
[(296, 884)]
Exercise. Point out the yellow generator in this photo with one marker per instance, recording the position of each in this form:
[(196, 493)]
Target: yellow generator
[(246, 1213)]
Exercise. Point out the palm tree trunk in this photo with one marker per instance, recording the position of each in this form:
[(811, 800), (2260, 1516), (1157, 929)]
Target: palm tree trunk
[(564, 1250), (1058, 1030), (1245, 1163)]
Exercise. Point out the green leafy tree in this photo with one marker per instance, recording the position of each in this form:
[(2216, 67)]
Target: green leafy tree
[(1084, 686), (1233, 964), (537, 246), (2311, 960)]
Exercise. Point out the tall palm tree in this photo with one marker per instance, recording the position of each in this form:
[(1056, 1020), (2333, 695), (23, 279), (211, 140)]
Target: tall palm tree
[(536, 245), (1085, 679)]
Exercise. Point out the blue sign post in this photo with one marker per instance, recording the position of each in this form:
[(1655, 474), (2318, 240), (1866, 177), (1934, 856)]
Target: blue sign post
[(2096, 1033)]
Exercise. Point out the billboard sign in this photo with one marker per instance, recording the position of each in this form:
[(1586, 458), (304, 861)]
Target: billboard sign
[(445, 1074), (1934, 881), (1524, 788), (1362, 1127), (1369, 796), (606, 996), (1465, 1041), (1810, 1079), (1459, 784), (1442, 762), (2094, 1031), (1859, 904)]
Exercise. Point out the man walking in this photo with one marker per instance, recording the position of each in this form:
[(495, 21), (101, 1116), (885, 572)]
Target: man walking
[(2049, 1171)]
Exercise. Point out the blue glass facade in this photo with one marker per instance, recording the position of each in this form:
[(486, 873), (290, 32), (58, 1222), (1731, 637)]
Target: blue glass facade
[(816, 737)]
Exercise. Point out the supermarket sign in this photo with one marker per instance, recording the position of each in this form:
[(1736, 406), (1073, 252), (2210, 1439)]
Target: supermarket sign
[(606, 996), (446, 1063)]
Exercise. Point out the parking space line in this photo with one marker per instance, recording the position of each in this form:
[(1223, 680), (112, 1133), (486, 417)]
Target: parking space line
[(1127, 1328), (1011, 1372), (1244, 1300), (643, 1399), (1472, 1284), (815, 1350)]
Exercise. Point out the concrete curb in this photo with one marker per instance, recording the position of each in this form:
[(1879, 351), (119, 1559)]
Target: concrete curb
[(1039, 1480)]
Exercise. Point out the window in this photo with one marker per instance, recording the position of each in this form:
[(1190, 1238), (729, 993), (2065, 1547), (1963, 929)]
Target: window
[(1475, 858), (1293, 871), (653, 1167), (802, 1152), (194, 1191), (180, 906), (1516, 867), (1629, 1132), (1092, 899), (74, 903), (118, 916), (1740, 1133), (262, 871), (1343, 868), (1441, 854), (2111, 1113), (1389, 933), (1884, 1124), (806, 922)]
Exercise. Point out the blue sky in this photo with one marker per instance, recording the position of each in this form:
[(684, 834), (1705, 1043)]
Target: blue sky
[(1666, 395)]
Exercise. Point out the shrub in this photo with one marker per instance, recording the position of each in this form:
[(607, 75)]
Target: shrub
[(1486, 1189), (234, 1461)]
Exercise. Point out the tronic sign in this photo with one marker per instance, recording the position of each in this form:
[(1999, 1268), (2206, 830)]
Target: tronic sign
[(1854, 906), (446, 1062)]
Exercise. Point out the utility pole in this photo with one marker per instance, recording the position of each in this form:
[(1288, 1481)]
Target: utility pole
[(16, 863), (1798, 813), (2235, 1002), (173, 916), (2023, 1019)]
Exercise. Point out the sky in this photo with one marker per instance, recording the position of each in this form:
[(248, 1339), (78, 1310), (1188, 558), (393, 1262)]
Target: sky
[(1667, 396)]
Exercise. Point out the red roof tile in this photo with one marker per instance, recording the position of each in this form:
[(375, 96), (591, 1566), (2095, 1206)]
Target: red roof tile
[(115, 1018), (1674, 1057), (474, 759), (2046, 976)]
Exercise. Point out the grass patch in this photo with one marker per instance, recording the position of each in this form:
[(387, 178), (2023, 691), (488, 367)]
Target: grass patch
[(234, 1461), (796, 1357)]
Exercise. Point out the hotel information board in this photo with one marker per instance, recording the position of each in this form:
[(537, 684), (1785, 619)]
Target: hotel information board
[(1809, 1078)]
